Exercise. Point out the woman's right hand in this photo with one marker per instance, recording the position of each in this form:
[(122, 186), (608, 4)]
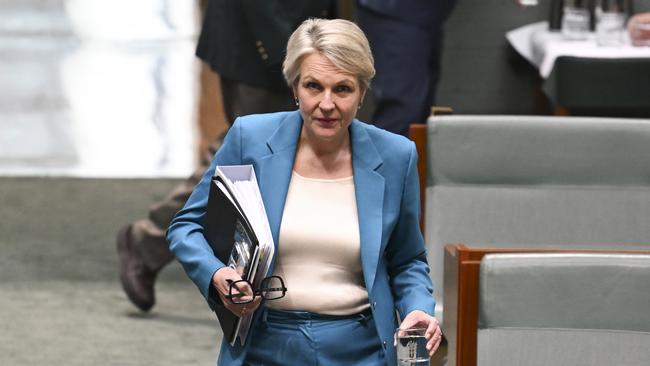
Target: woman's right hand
[(638, 27), (221, 282)]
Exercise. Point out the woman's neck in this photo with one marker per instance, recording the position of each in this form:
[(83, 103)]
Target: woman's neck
[(324, 159)]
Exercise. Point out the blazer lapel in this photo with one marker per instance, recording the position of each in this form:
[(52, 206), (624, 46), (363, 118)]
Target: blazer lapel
[(369, 191), (275, 175), (275, 171)]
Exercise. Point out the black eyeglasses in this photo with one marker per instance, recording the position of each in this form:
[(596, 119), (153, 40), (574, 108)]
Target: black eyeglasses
[(241, 292)]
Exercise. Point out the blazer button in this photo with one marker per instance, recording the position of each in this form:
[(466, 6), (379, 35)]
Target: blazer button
[(264, 56), (258, 43), (373, 305), (384, 344)]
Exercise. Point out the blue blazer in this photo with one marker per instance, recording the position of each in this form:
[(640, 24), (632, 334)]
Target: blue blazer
[(393, 256)]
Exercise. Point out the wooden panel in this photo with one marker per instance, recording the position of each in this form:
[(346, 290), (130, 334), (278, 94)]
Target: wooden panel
[(468, 310), (211, 118), (418, 133), (450, 302)]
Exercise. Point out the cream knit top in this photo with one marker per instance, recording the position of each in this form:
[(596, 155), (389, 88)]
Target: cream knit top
[(319, 248)]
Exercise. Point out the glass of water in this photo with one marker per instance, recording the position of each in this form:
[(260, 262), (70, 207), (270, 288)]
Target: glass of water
[(575, 20), (411, 347), (610, 22)]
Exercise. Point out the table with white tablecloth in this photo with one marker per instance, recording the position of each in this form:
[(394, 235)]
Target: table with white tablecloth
[(584, 77)]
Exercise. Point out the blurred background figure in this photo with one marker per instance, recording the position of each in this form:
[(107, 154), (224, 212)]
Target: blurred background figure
[(406, 39), (243, 41)]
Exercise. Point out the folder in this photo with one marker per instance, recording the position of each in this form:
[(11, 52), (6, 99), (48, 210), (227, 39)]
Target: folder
[(237, 229)]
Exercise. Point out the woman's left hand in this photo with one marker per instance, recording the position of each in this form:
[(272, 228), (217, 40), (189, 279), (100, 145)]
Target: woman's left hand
[(422, 319)]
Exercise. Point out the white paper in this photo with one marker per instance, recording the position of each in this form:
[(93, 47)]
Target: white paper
[(241, 180)]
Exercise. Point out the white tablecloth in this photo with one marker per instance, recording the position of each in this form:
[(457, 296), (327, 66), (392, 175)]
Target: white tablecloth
[(541, 47)]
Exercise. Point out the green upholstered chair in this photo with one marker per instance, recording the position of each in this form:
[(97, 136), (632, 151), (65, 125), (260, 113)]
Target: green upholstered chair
[(616, 87), (564, 310), (535, 181)]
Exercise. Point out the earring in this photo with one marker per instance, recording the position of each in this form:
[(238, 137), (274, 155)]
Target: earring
[(296, 100), (359, 107)]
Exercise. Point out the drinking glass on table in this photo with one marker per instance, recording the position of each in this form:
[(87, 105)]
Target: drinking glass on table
[(575, 20), (411, 346), (610, 22)]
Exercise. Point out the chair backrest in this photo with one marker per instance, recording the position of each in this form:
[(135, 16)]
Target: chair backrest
[(601, 86), (532, 181), (564, 309)]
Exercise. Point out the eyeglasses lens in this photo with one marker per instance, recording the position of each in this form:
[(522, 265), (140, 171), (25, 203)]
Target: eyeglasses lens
[(273, 288)]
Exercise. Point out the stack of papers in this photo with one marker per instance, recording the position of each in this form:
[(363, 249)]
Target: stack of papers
[(239, 184)]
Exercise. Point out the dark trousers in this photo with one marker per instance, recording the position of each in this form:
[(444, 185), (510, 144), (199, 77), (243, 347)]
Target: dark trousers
[(407, 61), (148, 235)]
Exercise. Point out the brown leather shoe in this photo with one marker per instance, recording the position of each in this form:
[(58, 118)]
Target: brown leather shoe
[(137, 280)]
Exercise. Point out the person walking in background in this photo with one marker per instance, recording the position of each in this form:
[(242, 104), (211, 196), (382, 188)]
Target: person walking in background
[(406, 39), (342, 200), (243, 41)]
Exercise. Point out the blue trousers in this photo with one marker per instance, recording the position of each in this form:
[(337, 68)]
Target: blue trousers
[(304, 338)]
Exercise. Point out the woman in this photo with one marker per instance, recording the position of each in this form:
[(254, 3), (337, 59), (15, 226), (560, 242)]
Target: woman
[(342, 201)]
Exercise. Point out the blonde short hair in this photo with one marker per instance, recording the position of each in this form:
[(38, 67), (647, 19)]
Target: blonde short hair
[(341, 41)]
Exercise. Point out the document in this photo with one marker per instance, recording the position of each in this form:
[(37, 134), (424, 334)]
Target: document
[(238, 231)]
